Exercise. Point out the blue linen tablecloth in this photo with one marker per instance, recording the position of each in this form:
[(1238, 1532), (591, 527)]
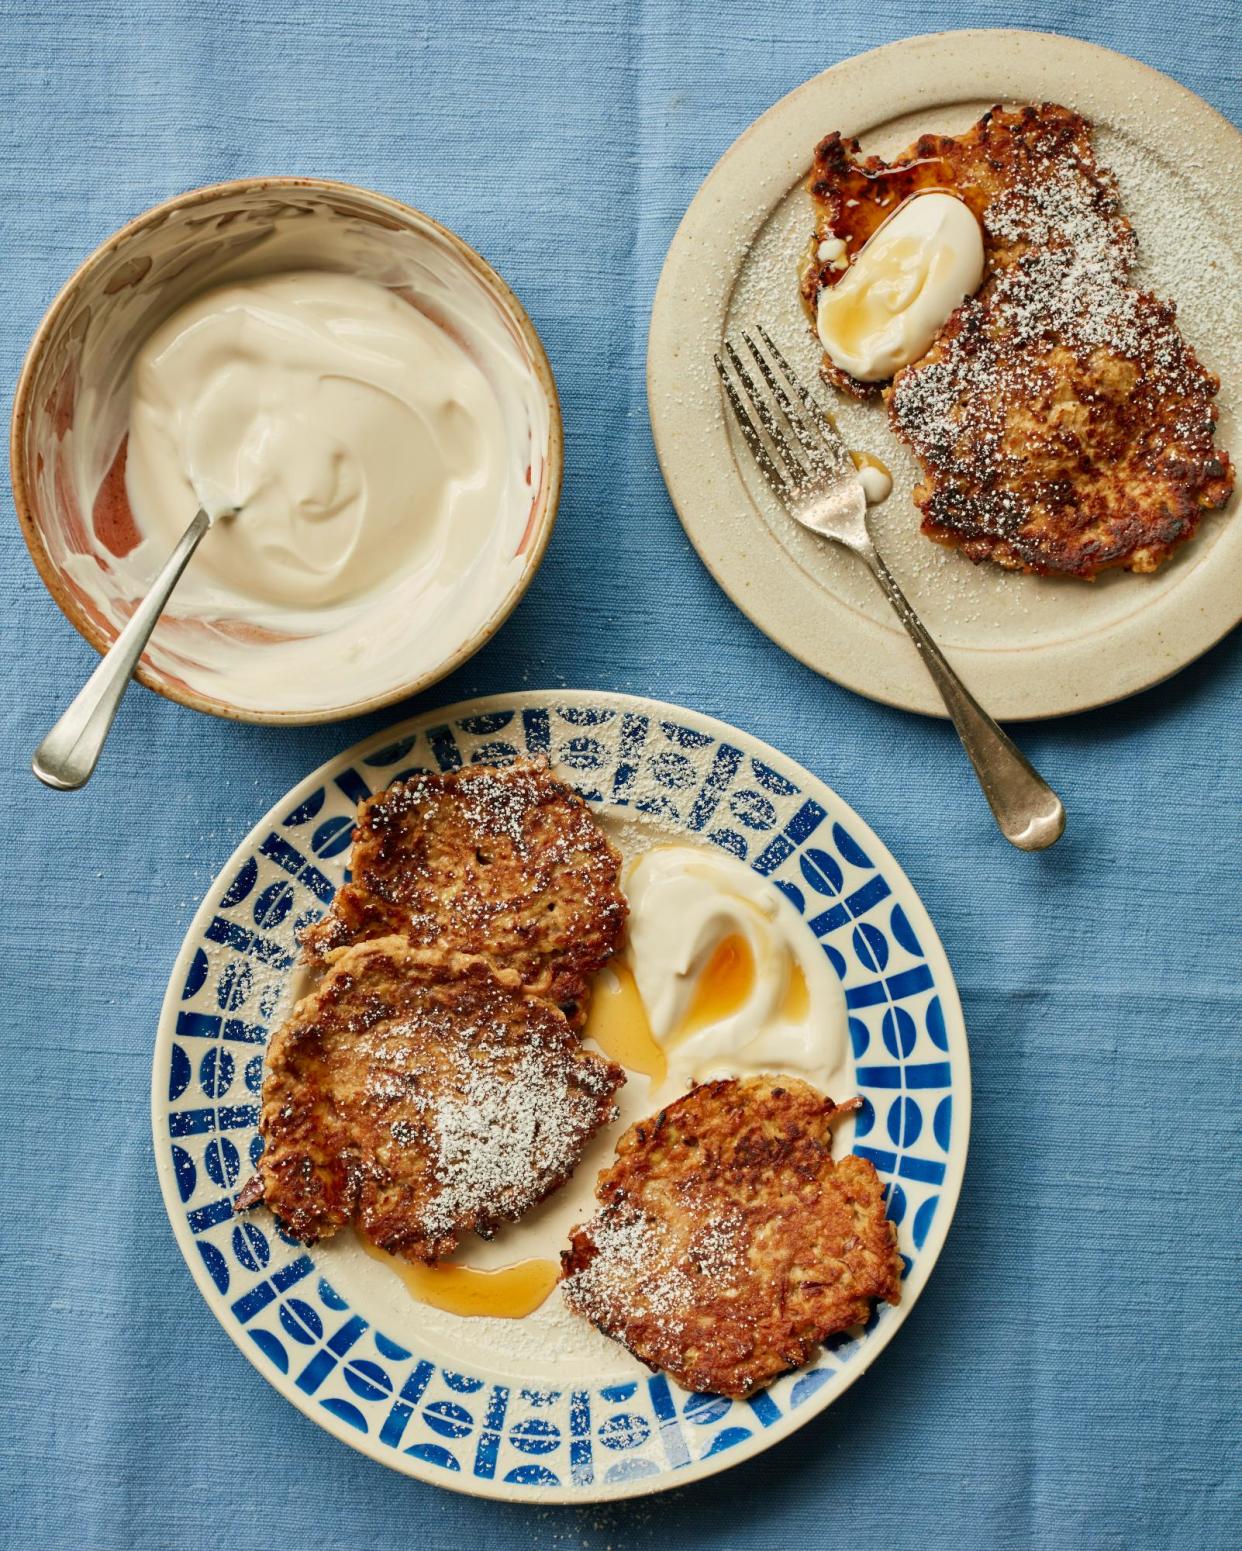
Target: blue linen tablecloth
[(1070, 1376)]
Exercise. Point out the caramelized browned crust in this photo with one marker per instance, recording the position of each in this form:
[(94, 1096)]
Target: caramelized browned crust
[(1061, 422), (422, 1095), (729, 1245), (504, 862), (853, 195)]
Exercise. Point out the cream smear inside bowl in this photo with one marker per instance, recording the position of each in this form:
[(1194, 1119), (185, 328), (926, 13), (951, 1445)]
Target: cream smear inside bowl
[(364, 452), (357, 398)]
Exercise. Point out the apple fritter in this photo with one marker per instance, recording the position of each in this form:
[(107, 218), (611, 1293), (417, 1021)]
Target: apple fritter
[(507, 862), (1061, 422), (728, 1244), (420, 1096)]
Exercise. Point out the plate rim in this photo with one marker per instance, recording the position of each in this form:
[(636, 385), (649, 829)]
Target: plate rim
[(1203, 606), (698, 1470)]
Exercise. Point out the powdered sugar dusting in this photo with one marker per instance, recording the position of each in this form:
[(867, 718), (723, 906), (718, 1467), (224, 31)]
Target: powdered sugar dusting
[(1072, 281), (505, 1127), (634, 1262), (639, 1265), (495, 805)]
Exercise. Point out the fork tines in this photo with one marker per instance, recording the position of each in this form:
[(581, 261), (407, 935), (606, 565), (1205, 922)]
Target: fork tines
[(773, 422)]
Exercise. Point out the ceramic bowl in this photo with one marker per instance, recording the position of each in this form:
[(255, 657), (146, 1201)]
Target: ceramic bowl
[(70, 418)]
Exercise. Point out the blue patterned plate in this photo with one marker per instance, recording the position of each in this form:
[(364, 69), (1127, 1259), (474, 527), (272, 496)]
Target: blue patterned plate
[(516, 1409)]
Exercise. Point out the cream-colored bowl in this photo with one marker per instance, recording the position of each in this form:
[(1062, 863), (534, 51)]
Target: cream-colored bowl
[(70, 414)]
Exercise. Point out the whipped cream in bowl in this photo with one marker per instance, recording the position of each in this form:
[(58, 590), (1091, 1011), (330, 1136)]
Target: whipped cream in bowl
[(351, 392)]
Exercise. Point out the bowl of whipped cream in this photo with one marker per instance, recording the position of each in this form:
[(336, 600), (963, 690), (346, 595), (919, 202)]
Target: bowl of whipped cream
[(355, 396)]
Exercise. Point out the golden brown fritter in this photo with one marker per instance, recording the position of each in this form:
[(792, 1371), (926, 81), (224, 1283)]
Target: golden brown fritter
[(729, 1245), (854, 195), (422, 1096), (505, 862), (1062, 423)]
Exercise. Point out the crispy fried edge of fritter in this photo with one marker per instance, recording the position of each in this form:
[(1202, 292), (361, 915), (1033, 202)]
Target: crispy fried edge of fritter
[(612, 1196), (432, 967)]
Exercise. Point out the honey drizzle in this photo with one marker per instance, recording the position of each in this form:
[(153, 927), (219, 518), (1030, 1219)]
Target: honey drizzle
[(724, 984), (867, 197), (619, 1025), (509, 1292), (797, 1000)]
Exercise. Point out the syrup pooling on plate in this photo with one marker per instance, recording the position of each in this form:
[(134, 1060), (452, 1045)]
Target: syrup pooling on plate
[(506, 1292), (723, 986), (797, 1002), (619, 1025)]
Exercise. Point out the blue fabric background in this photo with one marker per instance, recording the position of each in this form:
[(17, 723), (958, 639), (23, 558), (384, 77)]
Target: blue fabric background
[(1071, 1376)]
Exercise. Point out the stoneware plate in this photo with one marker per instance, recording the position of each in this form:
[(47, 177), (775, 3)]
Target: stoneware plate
[(1028, 646), (543, 1408)]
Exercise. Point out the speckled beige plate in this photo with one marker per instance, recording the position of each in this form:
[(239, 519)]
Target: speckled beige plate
[(1029, 646)]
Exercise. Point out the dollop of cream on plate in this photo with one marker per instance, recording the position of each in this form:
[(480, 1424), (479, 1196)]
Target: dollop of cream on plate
[(731, 981), (906, 281)]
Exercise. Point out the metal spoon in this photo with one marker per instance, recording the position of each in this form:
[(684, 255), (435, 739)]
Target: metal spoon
[(70, 752)]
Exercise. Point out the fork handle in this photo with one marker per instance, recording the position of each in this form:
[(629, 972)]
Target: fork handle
[(1030, 814)]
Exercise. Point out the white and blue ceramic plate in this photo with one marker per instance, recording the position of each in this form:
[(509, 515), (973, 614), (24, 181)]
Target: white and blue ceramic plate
[(520, 1409)]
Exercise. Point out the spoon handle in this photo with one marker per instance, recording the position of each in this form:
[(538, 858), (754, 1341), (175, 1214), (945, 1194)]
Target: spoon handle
[(70, 752)]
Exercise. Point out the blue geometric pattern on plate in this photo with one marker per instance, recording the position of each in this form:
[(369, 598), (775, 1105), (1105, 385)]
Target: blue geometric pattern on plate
[(687, 774)]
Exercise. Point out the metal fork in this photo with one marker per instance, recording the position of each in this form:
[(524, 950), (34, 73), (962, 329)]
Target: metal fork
[(809, 469)]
